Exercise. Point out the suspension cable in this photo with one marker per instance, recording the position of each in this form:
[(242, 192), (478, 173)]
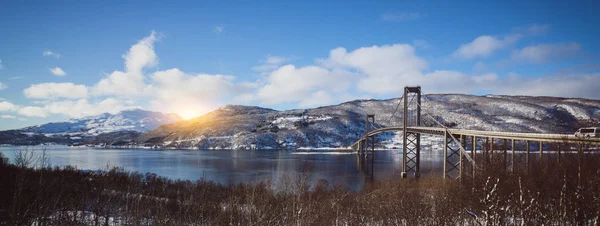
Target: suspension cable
[(396, 109), (376, 126), (467, 156)]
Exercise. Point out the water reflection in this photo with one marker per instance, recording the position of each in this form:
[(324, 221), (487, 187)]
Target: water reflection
[(240, 166)]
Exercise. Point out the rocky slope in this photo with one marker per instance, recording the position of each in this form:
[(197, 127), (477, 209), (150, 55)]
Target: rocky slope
[(245, 127)]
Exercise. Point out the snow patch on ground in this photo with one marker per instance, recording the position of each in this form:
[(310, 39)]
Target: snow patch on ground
[(509, 119), (288, 122), (577, 112), (28, 133)]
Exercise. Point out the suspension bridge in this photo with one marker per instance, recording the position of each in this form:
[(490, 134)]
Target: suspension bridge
[(460, 145)]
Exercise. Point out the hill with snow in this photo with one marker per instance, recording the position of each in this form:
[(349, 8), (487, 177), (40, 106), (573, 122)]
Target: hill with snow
[(74, 130), (245, 127), (132, 120)]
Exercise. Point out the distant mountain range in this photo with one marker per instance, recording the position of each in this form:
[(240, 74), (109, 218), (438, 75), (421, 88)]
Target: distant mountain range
[(76, 130), (245, 127)]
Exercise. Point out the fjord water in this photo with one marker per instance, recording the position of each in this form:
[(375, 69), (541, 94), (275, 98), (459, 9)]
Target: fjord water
[(239, 166)]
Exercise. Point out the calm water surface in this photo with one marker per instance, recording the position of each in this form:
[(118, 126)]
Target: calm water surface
[(240, 166)]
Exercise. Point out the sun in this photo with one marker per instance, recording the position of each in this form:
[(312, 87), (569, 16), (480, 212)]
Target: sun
[(188, 113), (187, 109)]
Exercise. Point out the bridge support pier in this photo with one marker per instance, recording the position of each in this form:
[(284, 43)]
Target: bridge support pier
[(474, 150), (474, 154), (541, 149), (512, 155), (453, 158), (412, 154), (527, 155), (411, 142), (492, 149), (505, 154), (558, 150), (364, 149), (579, 162), (486, 148)]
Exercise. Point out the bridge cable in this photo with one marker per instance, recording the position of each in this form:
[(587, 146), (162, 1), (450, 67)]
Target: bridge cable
[(389, 120), (376, 127), (465, 153), (395, 110)]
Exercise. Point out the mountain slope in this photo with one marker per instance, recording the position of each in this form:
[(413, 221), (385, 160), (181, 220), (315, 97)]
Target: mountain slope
[(133, 120), (125, 124), (241, 127)]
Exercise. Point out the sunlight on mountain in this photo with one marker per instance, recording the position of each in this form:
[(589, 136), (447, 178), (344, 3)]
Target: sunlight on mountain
[(189, 113)]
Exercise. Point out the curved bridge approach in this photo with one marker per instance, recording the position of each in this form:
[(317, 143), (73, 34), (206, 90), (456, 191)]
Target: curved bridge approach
[(455, 140)]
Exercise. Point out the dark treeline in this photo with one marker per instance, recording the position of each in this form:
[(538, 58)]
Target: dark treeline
[(542, 194)]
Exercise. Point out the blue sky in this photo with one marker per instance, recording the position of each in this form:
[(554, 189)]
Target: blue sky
[(64, 59)]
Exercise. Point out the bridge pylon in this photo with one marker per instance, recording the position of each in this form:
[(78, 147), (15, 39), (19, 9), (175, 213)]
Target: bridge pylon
[(364, 149), (411, 142)]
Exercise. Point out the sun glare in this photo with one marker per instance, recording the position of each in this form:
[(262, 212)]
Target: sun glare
[(188, 113)]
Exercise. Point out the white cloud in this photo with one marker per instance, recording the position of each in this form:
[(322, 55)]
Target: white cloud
[(289, 84), (190, 94), (270, 64), (318, 98), (484, 46), (50, 53), (381, 70), (57, 71), (383, 66), (7, 106), (485, 78), (1, 66), (480, 67), (400, 16), (83, 107), (7, 116), (378, 60), (276, 59), (16, 77), (545, 52), (131, 81), (77, 108), (120, 83), (421, 44), (56, 90), (343, 75), (218, 29), (141, 55), (31, 111), (2, 86), (582, 86), (538, 29)]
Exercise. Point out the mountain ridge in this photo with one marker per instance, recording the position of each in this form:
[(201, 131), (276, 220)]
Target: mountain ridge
[(135, 120), (332, 126), (339, 125), (75, 130)]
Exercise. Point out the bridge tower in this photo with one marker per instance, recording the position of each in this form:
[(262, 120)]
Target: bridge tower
[(411, 143), (369, 122)]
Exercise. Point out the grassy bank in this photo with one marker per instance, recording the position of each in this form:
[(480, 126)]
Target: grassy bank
[(551, 193)]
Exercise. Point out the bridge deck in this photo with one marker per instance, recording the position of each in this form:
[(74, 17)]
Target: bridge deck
[(555, 138)]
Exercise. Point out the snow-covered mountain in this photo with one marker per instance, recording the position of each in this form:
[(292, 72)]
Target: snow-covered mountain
[(242, 127), (130, 120)]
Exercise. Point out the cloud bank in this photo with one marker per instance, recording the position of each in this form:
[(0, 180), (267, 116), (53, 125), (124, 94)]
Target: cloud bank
[(341, 75)]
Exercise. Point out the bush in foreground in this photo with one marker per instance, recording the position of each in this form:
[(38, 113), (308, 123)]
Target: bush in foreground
[(551, 193)]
